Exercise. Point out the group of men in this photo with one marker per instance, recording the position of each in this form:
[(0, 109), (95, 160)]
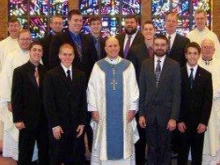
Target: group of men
[(132, 78)]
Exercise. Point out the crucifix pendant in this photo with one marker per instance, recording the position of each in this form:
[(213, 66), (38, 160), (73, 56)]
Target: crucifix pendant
[(114, 83)]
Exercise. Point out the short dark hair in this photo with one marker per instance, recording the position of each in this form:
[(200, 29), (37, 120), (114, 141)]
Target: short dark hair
[(130, 16), (13, 19), (193, 45), (161, 36), (35, 43), (149, 22), (95, 18), (73, 12)]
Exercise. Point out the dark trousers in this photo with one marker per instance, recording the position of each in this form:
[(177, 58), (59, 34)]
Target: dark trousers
[(190, 139), (68, 149), (140, 147), (158, 143), (26, 146)]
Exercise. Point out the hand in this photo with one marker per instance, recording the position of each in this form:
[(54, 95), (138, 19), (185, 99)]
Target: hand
[(79, 130), (201, 128), (9, 106), (171, 125), (95, 116), (20, 125), (57, 132), (130, 115), (142, 122), (182, 127)]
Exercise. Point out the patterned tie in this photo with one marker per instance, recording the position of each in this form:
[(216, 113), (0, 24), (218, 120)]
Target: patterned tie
[(36, 75), (191, 78), (169, 44), (97, 47), (150, 51), (78, 45), (127, 46), (157, 72)]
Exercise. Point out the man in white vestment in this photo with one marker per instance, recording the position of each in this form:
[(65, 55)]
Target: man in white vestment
[(211, 148), (113, 97), (7, 45), (15, 58), (202, 32)]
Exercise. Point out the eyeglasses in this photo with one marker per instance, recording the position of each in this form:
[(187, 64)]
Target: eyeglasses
[(24, 39)]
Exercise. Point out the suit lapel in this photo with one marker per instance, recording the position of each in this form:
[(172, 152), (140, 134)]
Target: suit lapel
[(164, 71), (32, 78), (63, 75), (197, 77)]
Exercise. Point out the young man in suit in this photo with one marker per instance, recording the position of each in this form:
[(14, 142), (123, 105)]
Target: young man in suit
[(131, 37), (85, 52), (177, 42), (159, 101), (28, 111), (196, 104), (65, 106), (95, 24)]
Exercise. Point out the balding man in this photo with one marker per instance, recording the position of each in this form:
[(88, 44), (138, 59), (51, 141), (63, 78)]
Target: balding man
[(56, 26), (113, 96), (211, 147)]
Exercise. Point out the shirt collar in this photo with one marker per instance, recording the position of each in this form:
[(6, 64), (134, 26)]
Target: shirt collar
[(189, 68), (65, 68)]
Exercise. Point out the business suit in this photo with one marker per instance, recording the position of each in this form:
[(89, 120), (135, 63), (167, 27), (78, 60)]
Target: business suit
[(65, 106), (158, 105), (137, 55), (121, 38), (89, 56), (27, 103), (195, 108), (46, 41), (177, 51)]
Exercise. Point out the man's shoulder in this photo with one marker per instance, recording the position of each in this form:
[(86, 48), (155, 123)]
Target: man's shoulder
[(204, 72), (182, 38)]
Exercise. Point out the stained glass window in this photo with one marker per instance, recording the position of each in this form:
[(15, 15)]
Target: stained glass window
[(185, 10), (35, 14), (112, 12)]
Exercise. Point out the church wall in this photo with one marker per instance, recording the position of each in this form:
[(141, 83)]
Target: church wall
[(146, 15)]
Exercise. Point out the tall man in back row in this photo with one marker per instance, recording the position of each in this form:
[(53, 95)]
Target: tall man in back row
[(131, 37), (85, 52), (159, 101)]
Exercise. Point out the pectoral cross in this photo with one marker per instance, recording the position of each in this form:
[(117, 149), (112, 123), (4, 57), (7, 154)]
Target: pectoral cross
[(114, 83)]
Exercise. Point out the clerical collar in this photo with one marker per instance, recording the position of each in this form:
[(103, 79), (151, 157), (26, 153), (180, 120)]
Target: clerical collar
[(113, 61), (207, 62)]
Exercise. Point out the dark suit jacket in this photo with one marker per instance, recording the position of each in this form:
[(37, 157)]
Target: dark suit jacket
[(177, 51), (162, 102), (88, 52), (46, 41), (137, 55), (102, 46), (121, 37), (27, 97), (65, 105), (196, 103)]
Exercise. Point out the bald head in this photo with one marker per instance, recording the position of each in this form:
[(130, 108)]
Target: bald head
[(112, 47), (207, 49)]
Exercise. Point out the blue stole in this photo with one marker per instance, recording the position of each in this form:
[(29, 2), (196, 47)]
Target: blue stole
[(114, 108)]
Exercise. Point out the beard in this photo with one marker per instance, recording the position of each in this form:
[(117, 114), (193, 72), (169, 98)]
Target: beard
[(130, 31), (160, 52)]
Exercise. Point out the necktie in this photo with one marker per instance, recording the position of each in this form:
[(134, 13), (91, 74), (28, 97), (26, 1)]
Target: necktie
[(78, 45), (157, 72), (36, 75), (150, 51), (68, 77), (97, 47), (127, 46), (169, 44), (191, 78)]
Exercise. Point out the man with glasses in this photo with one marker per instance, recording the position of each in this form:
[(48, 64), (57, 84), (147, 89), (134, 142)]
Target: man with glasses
[(14, 59)]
